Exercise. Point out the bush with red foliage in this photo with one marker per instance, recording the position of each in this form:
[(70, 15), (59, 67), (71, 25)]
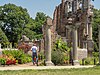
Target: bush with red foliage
[(25, 47), (10, 62), (13, 62)]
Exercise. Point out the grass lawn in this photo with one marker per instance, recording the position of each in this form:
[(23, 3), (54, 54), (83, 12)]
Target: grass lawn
[(89, 71)]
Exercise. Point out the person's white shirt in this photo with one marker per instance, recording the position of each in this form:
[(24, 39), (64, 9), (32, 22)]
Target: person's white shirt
[(34, 49)]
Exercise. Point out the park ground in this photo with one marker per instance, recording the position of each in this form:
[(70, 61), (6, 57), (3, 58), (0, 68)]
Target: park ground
[(82, 71), (38, 70)]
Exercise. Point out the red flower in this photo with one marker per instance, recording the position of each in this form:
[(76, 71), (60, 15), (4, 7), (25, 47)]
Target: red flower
[(8, 62), (14, 62)]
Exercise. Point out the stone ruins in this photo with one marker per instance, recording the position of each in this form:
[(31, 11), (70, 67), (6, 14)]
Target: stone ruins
[(72, 20)]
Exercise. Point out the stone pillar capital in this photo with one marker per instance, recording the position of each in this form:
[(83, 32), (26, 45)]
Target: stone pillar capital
[(76, 26), (68, 27), (49, 22)]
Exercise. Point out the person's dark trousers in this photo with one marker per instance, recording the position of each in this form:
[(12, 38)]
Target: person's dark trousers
[(34, 54)]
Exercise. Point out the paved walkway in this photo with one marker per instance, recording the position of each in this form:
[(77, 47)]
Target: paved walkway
[(30, 66)]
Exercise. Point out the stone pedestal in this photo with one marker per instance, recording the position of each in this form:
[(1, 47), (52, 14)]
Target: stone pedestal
[(76, 62), (82, 53), (75, 51), (49, 63)]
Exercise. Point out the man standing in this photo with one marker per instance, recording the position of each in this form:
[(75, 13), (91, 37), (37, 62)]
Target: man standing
[(34, 54)]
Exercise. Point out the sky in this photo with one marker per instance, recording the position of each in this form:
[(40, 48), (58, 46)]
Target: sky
[(45, 6)]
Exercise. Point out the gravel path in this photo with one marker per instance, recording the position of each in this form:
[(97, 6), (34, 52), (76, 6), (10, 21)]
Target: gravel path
[(31, 66)]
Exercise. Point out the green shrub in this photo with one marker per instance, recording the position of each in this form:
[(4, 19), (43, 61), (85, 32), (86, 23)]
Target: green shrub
[(2, 61), (61, 45), (25, 59), (60, 52), (18, 55), (89, 61), (96, 57), (95, 54), (58, 57), (41, 56)]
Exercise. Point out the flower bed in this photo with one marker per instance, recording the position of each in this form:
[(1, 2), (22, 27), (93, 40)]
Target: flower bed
[(12, 57)]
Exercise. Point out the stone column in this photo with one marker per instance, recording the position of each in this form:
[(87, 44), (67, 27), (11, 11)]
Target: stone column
[(0, 46), (84, 36), (68, 32), (48, 42), (75, 51), (90, 31), (90, 43), (66, 9), (85, 4), (0, 50), (87, 33), (99, 44), (62, 10), (75, 5)]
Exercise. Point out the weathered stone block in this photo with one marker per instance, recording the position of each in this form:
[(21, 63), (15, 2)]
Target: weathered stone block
[(90, 45), (82, 53)]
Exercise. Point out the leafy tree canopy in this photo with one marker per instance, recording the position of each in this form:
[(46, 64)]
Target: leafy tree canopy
[(39, 21), (14, 19), (3, 37), (96, 22)]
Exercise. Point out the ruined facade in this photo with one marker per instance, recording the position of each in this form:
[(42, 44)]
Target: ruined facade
[(72, 20), (69, 13)]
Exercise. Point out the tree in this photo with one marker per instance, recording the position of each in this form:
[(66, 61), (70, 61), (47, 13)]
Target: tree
[(3, 37), (96, 22), (14, 20), (29, 33), (39, 21)]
